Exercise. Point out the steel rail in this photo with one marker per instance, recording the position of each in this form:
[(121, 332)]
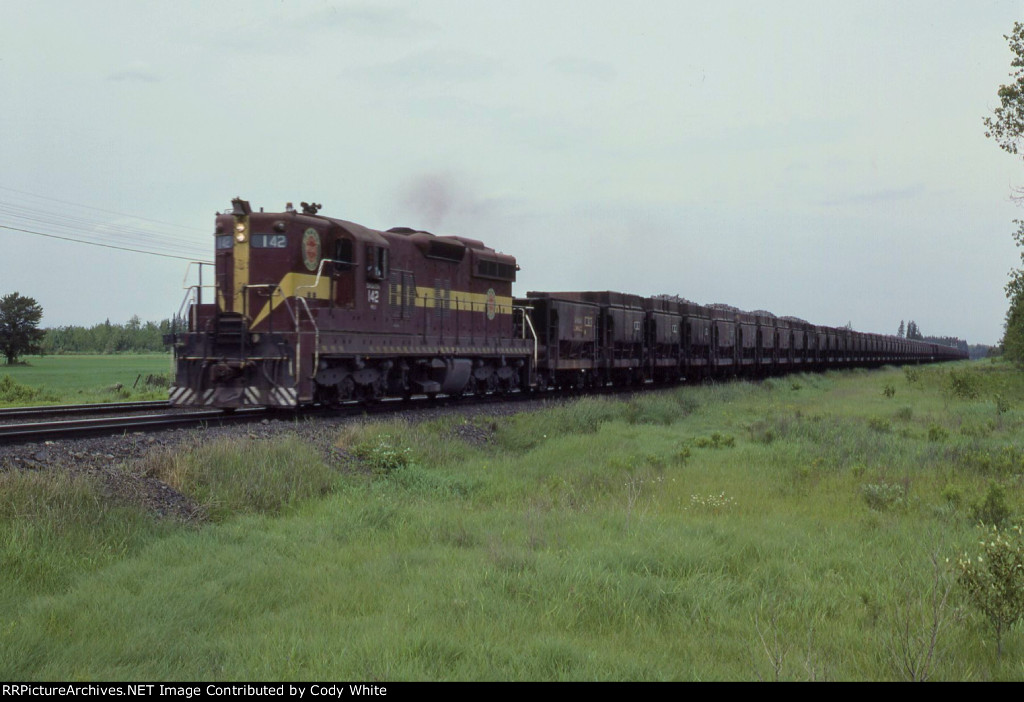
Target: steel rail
[(78, 428), (24, 432), (95, 408)]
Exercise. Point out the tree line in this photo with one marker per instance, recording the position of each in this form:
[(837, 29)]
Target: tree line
[(910, 330), (20, 334), (134, 336)]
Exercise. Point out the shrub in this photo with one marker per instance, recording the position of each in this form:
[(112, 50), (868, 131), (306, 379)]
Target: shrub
[(717, 440), (912, 373), (382, 454), (765, 432), (1002, 403), (994, 581), (953, 495), (889, 391), (937, 433), (1007, 460), (12, 391), (883, 496), (963, 384), (993, 510)]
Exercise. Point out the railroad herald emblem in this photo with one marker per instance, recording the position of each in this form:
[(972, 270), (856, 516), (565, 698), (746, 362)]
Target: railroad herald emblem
[(311, 249), (492, 303)]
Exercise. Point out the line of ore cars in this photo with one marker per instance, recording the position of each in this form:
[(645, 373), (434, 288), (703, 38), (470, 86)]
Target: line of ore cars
[(309, 309)]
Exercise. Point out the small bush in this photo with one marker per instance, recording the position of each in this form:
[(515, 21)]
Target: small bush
[(889, 391), (717, 440), (993, 510), (1006, 461), (382, 454), (12, 391), (763, 432), (994, 581), (953, 495), (1002, 403), (963, 384), (883, 496), (937, 433), (912, 373), (904, 414)]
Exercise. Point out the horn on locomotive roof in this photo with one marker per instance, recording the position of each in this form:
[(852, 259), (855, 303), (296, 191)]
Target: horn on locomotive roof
[(240, 207), (310, 207)]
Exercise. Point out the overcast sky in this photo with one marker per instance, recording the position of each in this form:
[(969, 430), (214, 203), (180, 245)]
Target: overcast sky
[(819, 159)]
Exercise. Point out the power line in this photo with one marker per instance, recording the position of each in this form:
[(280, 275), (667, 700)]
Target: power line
[(95, 230), (94, 243), (97, 209)]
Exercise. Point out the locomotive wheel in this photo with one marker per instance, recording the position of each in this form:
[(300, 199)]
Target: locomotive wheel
[(542, 382), (346, 388)]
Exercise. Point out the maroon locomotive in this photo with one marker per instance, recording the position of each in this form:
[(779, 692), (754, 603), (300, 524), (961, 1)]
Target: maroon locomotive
[(314, 309), (311, 309)]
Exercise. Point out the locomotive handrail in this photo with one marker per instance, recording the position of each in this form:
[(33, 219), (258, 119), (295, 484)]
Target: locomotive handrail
[(533, 332), (319, 272), (200, 286), (189, 299), (298, 337), (274, 288), (309, 313), (188, 269)]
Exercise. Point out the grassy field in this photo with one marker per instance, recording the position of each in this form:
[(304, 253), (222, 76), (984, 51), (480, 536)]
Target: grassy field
[(82, 379), (795, 529)]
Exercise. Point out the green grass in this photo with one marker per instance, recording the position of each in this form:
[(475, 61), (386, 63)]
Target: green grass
[(83, 379), (781, 530)]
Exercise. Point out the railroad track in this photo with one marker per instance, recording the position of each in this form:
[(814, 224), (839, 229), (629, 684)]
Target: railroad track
[(71, 410), (23, 432), (55, 429)]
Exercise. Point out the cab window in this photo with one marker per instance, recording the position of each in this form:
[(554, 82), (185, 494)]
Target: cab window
[(376, 262), (343, 251)]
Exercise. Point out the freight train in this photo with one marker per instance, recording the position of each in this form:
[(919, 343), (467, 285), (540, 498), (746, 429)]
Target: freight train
[(307, 309)]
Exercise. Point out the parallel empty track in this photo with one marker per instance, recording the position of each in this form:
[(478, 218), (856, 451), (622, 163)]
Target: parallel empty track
[(56, 411), (100, 426)]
